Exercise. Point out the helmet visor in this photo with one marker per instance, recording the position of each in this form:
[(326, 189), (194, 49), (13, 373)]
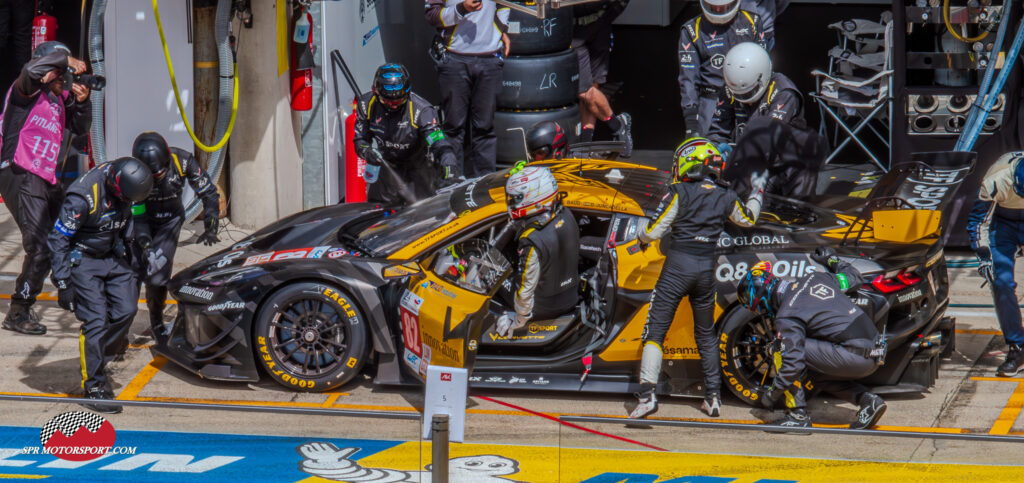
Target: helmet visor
[(719, 9)]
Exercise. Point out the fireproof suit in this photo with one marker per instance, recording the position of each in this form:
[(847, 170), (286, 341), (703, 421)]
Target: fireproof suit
[(158, 223), (824, 336), (403, 137), (702, 49), (34, 202), (782, 101), (996, 229), (696, 214), (548, 281), (791, 155), (89, 249)]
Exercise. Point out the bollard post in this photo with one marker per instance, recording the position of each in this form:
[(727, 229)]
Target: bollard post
[(439, 449)]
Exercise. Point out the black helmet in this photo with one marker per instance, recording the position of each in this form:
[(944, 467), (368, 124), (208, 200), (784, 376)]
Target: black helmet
[(47, 48), (129, 180), (755, 289), (546, 140), (391, 85), (152, 150)]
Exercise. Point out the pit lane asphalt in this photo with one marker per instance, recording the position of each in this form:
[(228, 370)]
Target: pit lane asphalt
[(966, 399)]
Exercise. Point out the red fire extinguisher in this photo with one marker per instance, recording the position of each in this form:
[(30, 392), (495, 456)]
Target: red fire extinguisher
[(302, 68), (44, 28)]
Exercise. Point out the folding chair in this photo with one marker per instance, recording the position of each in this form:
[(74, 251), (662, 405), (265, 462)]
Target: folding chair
[(856, 92)]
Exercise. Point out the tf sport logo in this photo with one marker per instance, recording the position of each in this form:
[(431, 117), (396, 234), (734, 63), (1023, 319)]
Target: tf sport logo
[(77, 436)]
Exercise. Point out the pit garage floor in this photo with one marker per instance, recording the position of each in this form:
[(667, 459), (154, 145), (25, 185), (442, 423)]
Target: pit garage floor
[(515, 436)]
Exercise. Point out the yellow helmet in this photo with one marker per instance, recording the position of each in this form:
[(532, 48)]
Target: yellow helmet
[(697, 159)]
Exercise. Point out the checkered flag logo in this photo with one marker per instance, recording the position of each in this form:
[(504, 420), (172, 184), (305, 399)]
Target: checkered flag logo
[(68, 423)]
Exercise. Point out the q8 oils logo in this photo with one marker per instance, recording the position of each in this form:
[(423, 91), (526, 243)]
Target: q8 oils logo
[(77, 436)]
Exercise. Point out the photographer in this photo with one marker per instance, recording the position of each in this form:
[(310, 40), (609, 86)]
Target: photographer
[(39, 109)]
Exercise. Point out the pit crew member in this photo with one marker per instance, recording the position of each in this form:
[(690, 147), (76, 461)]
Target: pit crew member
[(592, 41), (753, 91), (548, 246), (91, 265), (31, 156), (546, 140), (703, 43), (996, 230), (823, 337), (695, 210), (398, 134), (159, 218)]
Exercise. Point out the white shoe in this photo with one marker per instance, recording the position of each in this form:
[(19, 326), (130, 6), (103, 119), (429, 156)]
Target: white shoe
[(712, 405), (647, 404)]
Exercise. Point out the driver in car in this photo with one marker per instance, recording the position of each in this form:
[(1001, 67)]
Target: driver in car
[(821, 334), (549, 248)]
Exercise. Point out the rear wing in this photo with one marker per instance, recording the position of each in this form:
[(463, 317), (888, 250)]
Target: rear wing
[(910, 202)]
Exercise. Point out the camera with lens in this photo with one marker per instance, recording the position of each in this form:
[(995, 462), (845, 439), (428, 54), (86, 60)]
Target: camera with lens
[(93, 82)]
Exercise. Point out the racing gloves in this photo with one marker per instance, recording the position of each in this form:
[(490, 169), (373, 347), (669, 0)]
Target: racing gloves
[(827, 257), (209, 236), (724, 149), (508, 323), (985, 265), (692, 125), (65, 296), (155, 261)]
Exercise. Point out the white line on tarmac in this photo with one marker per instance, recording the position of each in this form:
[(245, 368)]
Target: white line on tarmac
[(8, 278), (971, 313)]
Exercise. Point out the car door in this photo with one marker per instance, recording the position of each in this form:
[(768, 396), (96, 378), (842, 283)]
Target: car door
[(442, 308)]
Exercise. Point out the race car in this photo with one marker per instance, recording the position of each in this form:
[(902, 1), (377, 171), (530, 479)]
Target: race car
[(318, 298)]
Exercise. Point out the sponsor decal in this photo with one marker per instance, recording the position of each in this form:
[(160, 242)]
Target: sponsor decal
[(728, 272), (928, 190), (196, 292), (345, 306), (426, 354), (472, 345), (336, 253), (411, 302), (78, 436), (226, 306), (290, 254), (423, 368), (535, 327), (822, 292), (495, 337), (861, 301), (258, 259), (909, 296), (516, 380), (412, 360), (540, 381), (718, 60), (445, 349), (411, 331), (474, 379), (446, 376), (229, 257), (369, 35), (432, 285), (318, 252), (755, 240), (496, 379)]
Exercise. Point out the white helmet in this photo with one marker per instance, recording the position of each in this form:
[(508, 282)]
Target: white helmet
[(747, 72), (529, 191), (720, 11)]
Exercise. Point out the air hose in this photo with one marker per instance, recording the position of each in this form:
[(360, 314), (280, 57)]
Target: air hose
[(96, 133), (177, 95), (972, 116), (949, 26)]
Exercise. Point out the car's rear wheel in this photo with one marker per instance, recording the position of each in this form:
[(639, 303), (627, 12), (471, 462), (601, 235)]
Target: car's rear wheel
[(311, 337), (743, 351)]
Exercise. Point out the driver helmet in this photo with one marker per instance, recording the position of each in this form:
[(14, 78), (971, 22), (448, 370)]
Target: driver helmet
[(546, 140), (1018, 176), (697, 159), (151, 148), (529, 191), (720, 11), (747, 72), (128, 179), (47, 48), (391, 85), (756, 288)]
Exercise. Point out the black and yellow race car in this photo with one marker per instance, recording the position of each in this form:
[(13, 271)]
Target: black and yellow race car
[(318, 298)]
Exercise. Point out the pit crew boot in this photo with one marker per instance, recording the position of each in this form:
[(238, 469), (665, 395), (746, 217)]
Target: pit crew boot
[(712, 404), (625, 134), (647, 403), (21, 319), (100, 394), (795, 419), (872, 407), (1012, 365), (156, 298)]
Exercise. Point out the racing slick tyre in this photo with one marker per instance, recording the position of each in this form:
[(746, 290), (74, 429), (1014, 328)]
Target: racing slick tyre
[(539, 81), (311, 337), (533, 36), (743, 353), (511, 140)]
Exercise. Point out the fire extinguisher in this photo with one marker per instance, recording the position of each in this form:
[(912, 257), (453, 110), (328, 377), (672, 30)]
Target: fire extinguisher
[(44, 27), (302, 70)]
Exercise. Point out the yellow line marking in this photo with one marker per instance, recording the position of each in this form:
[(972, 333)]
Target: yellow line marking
[(132, 390), (232, 402), (332, 397), (1010, 412), (998, 379), (979, 331), (39, 394), (22, 477)]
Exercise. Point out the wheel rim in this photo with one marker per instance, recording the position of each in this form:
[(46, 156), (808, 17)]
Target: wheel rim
[(309, 337), (750, 355)]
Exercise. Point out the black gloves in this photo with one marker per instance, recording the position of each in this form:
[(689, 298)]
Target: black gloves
[(209, 236), (985, 265), (65, 295), (692, 125), (827, 257)]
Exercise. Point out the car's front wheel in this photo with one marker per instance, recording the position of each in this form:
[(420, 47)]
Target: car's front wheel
[(311, 337), (743, 352)]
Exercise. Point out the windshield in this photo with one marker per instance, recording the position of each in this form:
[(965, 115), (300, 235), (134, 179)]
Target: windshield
[(383, 238)]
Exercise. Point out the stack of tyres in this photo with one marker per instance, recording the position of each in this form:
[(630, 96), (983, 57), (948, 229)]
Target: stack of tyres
[(540, 80)]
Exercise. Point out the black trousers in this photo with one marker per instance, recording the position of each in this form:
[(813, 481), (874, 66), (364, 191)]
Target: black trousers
[(15, 36), (834, 369), (106, 301), (687, 275), (34, 204), (469, 91)]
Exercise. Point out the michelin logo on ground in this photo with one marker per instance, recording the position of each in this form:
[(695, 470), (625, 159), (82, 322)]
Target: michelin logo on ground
[(327, 461)]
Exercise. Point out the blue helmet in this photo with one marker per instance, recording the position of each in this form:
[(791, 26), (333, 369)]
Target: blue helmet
[(391, 85), (1018, 177), (755, 290)]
